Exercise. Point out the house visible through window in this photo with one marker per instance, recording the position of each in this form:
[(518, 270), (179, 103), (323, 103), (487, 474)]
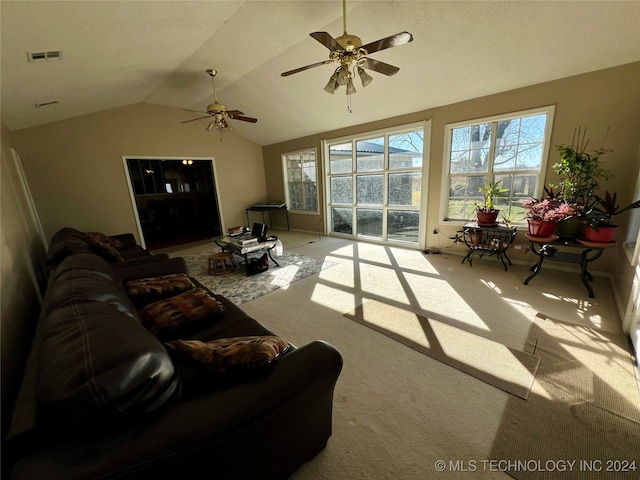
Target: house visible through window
[(374, 185), (510, 149), (301, 182)]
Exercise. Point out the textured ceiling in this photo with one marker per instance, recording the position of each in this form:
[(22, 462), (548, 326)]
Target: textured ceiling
[(122, 53)]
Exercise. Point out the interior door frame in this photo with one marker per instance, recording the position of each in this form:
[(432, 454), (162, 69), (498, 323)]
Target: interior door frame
[(132, 195)]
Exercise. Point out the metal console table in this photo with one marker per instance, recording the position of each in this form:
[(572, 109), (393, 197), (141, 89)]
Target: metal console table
[(552, 247), (268, 207), (488, 240)]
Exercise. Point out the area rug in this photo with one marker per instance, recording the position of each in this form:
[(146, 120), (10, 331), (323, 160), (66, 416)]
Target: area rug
[(240, 289), (505, 368), (582, 419)]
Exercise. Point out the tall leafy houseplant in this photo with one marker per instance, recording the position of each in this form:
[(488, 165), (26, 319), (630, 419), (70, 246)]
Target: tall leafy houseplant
[(579, 170)]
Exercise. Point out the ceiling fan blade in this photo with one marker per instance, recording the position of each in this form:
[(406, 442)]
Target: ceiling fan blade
[(197, 111), (392, 41), (327, 40), (194, 119), (243, 118), (380, 67), (301, 69), (233, 113)]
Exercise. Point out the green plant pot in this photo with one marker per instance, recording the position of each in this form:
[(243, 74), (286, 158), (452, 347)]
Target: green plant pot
[(569, 228)]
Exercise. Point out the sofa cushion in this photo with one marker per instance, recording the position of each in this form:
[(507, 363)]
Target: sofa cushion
[(231, 354), (85, 278), (96, 363), (169, 314)]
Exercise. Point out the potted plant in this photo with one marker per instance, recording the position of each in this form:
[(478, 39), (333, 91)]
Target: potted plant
[(600, 214), (544, 215), (486, 213), (579, 170)]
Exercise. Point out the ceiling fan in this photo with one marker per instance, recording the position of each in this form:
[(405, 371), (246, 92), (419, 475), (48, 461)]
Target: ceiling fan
[(353, 57), (217, 112)]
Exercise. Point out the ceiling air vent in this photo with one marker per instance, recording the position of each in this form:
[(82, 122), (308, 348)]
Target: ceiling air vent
[(44, 56), (46, 104)]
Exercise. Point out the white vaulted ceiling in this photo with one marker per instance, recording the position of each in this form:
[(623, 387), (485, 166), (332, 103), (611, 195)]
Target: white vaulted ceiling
[(120, 53)]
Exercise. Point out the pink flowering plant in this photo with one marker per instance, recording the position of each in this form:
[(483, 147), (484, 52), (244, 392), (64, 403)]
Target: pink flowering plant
[(549, 209)]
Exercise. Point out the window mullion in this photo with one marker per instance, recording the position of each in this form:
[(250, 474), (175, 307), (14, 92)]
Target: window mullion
[(492, 149)]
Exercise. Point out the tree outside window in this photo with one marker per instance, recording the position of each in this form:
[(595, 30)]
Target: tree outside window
[(511, 148)]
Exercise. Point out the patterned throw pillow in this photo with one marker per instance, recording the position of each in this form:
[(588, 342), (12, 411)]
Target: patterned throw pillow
[(164, 285), (105, 244), (97, 237), (173, 312), (235, 353)]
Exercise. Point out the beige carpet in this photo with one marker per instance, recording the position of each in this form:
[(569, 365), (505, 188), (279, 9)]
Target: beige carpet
[(505, 368), (397, 411), (584, 407)]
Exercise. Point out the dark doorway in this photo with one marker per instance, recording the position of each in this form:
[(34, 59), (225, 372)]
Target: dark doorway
[(176, 200)]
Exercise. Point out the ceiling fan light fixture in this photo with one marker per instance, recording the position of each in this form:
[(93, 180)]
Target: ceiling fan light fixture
[(343, 75), (351, 89), (218, 114), (364, 77), (349, 51), (332, 84)]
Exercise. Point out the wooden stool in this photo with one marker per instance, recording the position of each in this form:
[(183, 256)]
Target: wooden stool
[(221, 263)]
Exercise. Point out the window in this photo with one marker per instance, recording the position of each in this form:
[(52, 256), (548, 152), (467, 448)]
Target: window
[(374, 185), (512, 149), (301, 182)]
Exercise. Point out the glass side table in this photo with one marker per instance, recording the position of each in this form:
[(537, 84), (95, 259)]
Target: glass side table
[(230, 244)]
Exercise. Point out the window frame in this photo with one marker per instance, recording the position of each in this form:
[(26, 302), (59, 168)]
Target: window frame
[(493, 120), (632, 240), (285, 178), (425, 127)]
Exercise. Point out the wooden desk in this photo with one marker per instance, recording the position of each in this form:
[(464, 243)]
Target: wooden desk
[(551, 248), (268, 207)]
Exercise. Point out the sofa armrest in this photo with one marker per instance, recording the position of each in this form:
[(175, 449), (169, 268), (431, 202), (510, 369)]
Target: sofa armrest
[(153, 269), (126, 238), (257, 429)]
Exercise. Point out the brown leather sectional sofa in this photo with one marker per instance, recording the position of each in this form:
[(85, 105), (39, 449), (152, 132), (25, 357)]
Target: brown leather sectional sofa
[(102, 397)]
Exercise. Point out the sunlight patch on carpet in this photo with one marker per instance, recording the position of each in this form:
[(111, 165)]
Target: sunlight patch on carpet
[(503, 367), (584, 404)]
